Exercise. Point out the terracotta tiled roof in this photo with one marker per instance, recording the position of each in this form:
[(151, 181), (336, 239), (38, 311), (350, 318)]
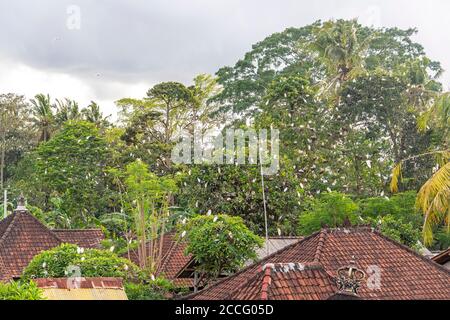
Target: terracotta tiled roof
[(22, 237), (85, 238), (173, 259), (4, 274), (404, 273), (273, 245), (287, 281)]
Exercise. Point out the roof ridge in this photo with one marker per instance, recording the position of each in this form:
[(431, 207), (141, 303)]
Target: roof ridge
[(289, 266), (261, 273), (266, 282), (28, 214), (265, 276), (8, 229), (441, 254), (69, 230), (320, 245), (285, 237), (175, 243), (311, 236), (402, 246)]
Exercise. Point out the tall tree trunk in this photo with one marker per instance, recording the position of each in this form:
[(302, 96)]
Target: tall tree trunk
[(142, 252)]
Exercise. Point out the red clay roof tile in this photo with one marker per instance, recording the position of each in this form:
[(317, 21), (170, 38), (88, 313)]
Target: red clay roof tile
[(22, 237), (404, 273), (173, 259), (85, 238)]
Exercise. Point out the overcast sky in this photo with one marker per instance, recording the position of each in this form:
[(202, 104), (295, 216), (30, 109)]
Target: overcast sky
[(122, 48)]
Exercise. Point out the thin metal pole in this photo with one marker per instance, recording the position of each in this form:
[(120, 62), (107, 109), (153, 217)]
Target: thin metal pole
[(5, 203), (265, 209)]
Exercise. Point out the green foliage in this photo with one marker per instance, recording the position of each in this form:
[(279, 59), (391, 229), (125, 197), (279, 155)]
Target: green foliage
[(331, 210), (102, 263), (323, 51), (158, 289), (141, 182), (22, 290), (52, 263), (442, 239), (346, 98), (395, 217), (220, 243), (397, 229), (15, 134), (59, 262), (69, 170), (149, 196), (237, 191), (385, 98), (400, 205)]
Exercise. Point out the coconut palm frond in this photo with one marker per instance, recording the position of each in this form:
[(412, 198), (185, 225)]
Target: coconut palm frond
[(423, 120), (439, 182), (427, 231), (433, 200), (396, 177), (438, 114), (438, 211)]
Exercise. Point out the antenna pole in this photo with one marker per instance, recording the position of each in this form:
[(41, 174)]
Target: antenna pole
[(5, 203), (265, 209)]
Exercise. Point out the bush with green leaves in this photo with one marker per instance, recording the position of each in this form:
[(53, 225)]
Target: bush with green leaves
[(329, 210), (20, 290), (219, 243), (397, 229), (401, 205), (158, 289), (57, 262), (442, 241)]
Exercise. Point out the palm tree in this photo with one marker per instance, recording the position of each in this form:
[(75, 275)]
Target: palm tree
[(11, 114), (66, 110), (93, 114), (433, 198), (342, 50), (43, 117)]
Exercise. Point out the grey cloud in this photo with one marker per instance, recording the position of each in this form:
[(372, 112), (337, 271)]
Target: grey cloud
[(150, 41)]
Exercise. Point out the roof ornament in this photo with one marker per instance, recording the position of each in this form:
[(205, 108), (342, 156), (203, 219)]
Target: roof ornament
[(349, 278), (21, 203)]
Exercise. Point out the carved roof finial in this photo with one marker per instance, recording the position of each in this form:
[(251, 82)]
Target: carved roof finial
[(349, 278), (21, 203)]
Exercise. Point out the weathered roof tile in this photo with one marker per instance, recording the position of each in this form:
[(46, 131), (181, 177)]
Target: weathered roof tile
[(22, 237), (404, 273)]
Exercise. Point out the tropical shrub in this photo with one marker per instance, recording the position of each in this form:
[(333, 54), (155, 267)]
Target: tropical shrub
[(219, 243), (401, 205), (158, 289), (329, 210), (100, 263), (397, 229), (22, 290), (59, 262)]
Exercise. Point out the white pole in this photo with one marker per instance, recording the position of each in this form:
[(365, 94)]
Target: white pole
[(265, 209), (5, 204)]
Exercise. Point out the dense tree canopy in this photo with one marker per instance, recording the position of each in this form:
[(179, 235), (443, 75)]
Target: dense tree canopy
[(353, 104)]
